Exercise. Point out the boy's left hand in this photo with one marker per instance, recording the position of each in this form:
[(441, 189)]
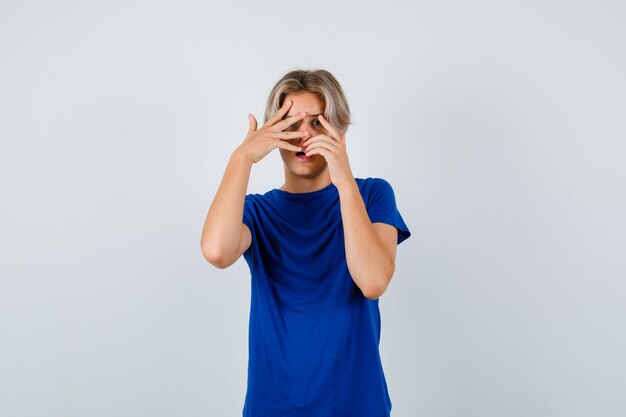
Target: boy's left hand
[(333, 148)]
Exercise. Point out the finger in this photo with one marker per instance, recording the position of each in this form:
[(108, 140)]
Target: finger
[(280, 113), (322, 143), (289, 135), (317, 138), (287, 145), (253, 124), (322, 151), (333, 132), (288, 122)]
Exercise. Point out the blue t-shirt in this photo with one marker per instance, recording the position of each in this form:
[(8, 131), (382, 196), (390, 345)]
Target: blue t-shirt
[(313, 335)]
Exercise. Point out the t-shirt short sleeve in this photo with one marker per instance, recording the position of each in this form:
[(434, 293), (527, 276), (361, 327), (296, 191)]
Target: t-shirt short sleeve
[(248, 218), (382, 208), (247, 212)]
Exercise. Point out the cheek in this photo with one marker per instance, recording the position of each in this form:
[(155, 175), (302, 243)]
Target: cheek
[(286, 155)]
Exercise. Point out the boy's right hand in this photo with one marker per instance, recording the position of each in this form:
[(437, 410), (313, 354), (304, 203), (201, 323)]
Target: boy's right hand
[(259, 143)]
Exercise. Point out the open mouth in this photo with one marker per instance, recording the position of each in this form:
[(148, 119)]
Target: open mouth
[(300, 153)]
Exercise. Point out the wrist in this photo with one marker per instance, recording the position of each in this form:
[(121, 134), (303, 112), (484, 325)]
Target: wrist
[(239, 157), (348, 186)]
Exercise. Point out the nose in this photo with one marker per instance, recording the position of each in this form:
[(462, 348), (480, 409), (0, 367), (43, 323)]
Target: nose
[(305, 126)]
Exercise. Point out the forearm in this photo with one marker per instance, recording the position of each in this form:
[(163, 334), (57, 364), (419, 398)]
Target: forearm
[(221, 234), (369, 264)]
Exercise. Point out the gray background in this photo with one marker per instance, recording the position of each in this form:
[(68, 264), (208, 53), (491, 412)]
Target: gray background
[(499, 124)]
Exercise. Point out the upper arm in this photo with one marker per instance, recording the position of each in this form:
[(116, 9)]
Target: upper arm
[(388, 236), (244, 243), (246, 239)]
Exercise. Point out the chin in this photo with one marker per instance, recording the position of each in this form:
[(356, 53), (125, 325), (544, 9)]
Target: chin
[(309, 170), (308, 175)]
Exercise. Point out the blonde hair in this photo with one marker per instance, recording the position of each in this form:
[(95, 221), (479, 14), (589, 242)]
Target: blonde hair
[(319, 82)]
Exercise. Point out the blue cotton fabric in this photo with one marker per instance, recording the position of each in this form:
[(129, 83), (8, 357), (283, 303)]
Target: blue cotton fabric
[(313, 336)]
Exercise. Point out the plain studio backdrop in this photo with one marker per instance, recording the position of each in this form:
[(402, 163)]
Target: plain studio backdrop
[(499, 124)]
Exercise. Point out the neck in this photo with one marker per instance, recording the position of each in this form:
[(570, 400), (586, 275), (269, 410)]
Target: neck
[(305, 185)]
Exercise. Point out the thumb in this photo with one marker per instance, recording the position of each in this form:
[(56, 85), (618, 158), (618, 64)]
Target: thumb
[(252, 120)]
